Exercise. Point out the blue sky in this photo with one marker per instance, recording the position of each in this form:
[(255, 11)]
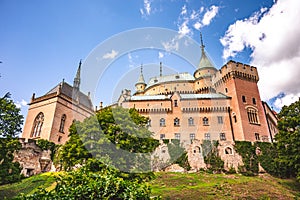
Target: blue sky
[(43, 41)]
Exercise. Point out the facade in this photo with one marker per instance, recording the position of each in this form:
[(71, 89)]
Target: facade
[(211, 104), (51, 115)]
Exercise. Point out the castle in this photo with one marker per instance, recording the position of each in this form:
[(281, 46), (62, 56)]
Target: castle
[(211, 104)]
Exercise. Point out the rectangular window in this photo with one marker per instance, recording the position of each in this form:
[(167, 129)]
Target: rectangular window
[(176, 122), (192, 136), (191, 121), (234, 119), (207, 136), (254, 101), (257, 138), (244, 99), (162, 136), (175, 103), (222, 137), (220, 120), (177, 136)]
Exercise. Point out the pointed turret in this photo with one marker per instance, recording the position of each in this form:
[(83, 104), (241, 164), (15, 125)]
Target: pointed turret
[(76, 83), (140, 85), (205, 64)]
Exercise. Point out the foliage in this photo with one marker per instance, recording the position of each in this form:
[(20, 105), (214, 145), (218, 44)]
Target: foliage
[(249, 157), (73, 152), (47, 145), (10, 118), (178, 154), (288, 140), (212, 157), (94, 181), (10, 125)]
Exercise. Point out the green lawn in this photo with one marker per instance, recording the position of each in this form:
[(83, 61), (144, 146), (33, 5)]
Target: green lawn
[(187, 186), (220, 186), (27, 186)]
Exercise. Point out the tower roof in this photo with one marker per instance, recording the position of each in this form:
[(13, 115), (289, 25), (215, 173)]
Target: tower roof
[(76, 83), (205, 62), (141, 79)]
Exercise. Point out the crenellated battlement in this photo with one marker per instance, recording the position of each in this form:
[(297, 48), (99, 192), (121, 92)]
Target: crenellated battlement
[(234, 69)]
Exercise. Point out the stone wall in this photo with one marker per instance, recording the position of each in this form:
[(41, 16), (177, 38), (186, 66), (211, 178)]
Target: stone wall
[(32, 159)]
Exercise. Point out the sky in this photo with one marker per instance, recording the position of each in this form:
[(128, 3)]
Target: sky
[(42, 43)]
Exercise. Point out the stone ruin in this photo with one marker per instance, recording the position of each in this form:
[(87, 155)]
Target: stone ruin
[(32, 158)]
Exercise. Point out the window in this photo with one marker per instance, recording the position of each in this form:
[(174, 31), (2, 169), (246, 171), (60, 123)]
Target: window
[(37, 125), (162, 136), (149, 123), (62, 123), (192, 136), (59, 139), (175, 103), (254, 101), (244, 99), (162, 122), (226, 90), (176, 122), (220, 120), (197, 149), (205, 121), (257, 138), (228, 150), (252, 116), (234, 119), (191, 121), (177, 136), (222, 137), (206, 136)]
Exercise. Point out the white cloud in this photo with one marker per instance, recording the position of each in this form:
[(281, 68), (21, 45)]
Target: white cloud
[(286, 100), (110, 55), (21, 103), (196, 18), (209, 15), (160, 54), (273, 36), (171, 45), (146, 10)]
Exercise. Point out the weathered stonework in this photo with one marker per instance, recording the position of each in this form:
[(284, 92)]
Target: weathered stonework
[(32, 159)]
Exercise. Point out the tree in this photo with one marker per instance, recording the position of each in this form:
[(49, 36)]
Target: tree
[(10, 126), (288, 140)]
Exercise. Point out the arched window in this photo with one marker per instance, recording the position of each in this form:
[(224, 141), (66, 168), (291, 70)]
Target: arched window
[(197, 149), (162, 122), (37, 125), (62, 123), (176, 122), (205, 121), (252, 116), (191, 121), (228, 150)]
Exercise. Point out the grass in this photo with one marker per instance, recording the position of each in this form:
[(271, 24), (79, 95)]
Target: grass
[(199, 185), (27, 185), (220, 186)]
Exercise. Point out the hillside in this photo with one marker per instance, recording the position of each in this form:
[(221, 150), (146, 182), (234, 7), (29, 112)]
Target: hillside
[(188, 186)]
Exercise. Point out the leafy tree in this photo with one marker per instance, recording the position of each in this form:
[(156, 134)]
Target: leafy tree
[(73, 152), (288, 140), (10, 126), (212, 158), (47, 145)]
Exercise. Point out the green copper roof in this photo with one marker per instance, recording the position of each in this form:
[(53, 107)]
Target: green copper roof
[(205, 61)]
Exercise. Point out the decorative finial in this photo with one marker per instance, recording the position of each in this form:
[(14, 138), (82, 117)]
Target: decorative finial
[(80, 63), (202, 45), (142, 68), (160, 69)]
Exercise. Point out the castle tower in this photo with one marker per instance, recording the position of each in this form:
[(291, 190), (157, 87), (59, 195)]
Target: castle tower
[(51, 115), (204, 72), (140, 85), (239, 81)]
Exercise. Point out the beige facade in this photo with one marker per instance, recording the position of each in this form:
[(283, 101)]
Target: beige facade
[(51, 115), (211, 104)]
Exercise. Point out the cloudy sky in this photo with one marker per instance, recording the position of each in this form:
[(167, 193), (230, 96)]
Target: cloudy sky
[(43, 41)]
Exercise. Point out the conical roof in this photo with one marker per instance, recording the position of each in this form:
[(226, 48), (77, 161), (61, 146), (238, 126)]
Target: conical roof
[(141, 79), (205, 62)]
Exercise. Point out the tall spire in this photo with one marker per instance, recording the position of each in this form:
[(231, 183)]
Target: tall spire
[(160, 69), (76, 83), (204, 60), (141, 78)]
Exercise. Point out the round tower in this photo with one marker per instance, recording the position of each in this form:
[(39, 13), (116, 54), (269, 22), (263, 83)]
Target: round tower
[(140, 85), (204, 72)]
